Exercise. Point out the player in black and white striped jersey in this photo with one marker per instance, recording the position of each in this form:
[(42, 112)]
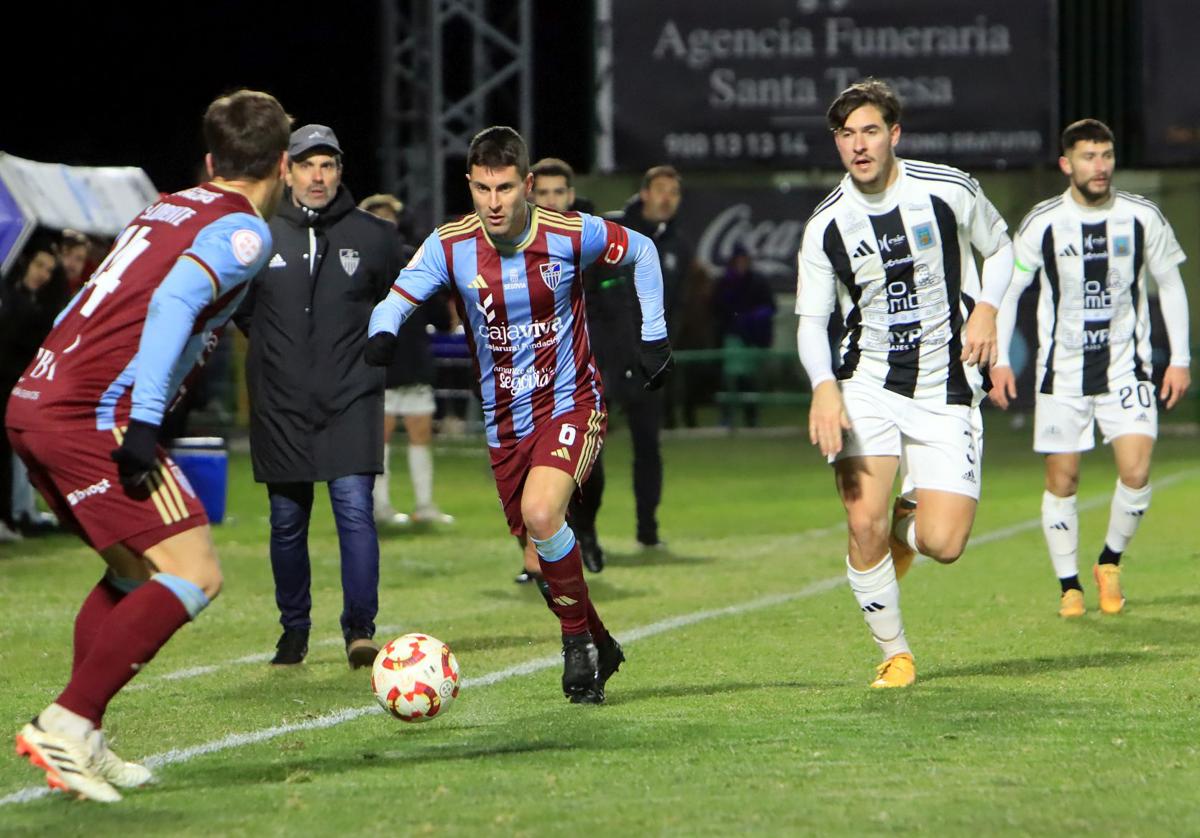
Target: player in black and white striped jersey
[(1092, 248), (892, 248)]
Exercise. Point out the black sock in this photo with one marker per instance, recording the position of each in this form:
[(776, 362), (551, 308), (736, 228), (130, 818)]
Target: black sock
[(1070, 583), (1109, 556)]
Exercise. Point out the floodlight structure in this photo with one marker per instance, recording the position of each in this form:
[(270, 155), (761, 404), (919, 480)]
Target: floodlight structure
[(450, 68)]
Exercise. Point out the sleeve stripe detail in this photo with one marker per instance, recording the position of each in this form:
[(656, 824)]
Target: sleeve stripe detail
[(464, 225), (1040, 209), (938, 169), (558, 219), (830, 199), (405, 295), (1145, 202), (212, 275), (940, 179)]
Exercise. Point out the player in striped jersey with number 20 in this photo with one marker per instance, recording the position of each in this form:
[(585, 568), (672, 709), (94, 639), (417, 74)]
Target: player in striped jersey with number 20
[(892, 247), (516, 271), (1093, 247)]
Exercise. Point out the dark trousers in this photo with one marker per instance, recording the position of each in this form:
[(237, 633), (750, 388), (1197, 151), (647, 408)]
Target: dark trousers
[(644, 412), (354, 513)]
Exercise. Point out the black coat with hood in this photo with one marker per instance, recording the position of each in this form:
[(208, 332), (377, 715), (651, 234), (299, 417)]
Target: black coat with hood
[(316, 408)]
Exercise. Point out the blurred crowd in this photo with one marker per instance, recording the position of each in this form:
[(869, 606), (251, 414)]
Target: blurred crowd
[(50, 269)]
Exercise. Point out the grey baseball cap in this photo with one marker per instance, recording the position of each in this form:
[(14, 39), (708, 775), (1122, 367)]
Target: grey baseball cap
[(307, 137)]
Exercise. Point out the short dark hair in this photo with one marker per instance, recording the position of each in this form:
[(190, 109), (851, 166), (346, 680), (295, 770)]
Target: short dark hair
[(498, 147), (246, 131), (868, 91), (553, 167), (1086, 130), (655, 172)]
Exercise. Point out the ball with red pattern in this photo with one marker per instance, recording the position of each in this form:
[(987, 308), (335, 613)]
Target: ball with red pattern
[(415, 677)]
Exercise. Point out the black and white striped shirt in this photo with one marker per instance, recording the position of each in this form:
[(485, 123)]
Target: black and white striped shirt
[(1093, 310), (900, 268)]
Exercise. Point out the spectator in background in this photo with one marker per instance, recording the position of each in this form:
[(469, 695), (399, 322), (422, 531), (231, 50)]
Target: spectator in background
[(316, 409), (31, 297), (744, 312), (409, 393), (614, 323), (74, 249)]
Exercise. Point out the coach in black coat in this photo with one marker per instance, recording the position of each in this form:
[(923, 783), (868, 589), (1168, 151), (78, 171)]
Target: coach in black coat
[(316, 408)]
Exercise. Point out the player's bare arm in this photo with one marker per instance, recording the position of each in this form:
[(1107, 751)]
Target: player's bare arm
[(827, 418), (1004, 386), (1176, 381), (979, 337)]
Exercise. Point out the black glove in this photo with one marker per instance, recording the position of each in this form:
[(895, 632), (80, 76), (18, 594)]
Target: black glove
[(380, 349), (137, 458), (656, 362)]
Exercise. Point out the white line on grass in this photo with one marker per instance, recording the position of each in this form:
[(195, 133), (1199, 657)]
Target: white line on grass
[(337, 717)]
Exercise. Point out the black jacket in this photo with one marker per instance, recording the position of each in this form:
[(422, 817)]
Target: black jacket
[(614, 315), (26, 317), (316, 408), (413, 363)]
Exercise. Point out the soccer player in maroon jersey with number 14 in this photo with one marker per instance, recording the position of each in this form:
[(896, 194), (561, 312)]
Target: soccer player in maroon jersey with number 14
[(104, 377), (516, 270)]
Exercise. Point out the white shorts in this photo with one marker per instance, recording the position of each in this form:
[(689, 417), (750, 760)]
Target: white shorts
[(1065, 424), (940, 446), (413, 400)]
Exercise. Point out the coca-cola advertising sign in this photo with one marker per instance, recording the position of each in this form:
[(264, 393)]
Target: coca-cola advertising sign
[(768, 222)]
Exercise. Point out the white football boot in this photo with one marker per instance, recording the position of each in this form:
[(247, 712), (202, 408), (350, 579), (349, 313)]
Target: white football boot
[(126, 775), (69, 763)]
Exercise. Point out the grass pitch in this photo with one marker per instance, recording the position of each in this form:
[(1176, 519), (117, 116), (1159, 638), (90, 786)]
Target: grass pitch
[(743, 705)]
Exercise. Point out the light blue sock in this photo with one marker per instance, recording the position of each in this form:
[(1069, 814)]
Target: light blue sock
[(557, 546), (188, 593)]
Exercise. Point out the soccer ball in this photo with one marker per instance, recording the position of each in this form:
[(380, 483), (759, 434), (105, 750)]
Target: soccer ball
[(415, 677)]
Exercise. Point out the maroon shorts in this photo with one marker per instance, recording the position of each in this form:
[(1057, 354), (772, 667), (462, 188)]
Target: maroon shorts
[(569, 443), (78, 478)]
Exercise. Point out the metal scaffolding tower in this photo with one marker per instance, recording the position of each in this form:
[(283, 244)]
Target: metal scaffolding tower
[(450, 68)]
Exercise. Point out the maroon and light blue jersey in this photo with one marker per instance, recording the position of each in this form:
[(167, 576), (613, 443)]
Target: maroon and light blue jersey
[(148, 317), (523, 311)]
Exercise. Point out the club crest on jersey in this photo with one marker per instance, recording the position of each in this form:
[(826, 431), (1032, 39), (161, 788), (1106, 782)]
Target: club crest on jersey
[(1121, 246), (552, 274), (923, 236), (350, 260)]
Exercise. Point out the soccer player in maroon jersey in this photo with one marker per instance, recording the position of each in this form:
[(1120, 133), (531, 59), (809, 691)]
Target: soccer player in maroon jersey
[(85, 417), (515, 269)]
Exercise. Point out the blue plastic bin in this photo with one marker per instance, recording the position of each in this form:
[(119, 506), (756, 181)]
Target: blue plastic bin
[(205, 463)]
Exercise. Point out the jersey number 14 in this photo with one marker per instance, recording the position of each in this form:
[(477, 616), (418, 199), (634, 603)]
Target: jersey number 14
[(107, 278)]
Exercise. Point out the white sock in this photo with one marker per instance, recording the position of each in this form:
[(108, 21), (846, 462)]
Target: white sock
[(906, 531), (1128, 508), (58, 719), (420, 469), (1060, 525), (383, 500), (878, 596)]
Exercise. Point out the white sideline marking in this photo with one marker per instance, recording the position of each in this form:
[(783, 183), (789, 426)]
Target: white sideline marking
[(337, 717), (256, 657)]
